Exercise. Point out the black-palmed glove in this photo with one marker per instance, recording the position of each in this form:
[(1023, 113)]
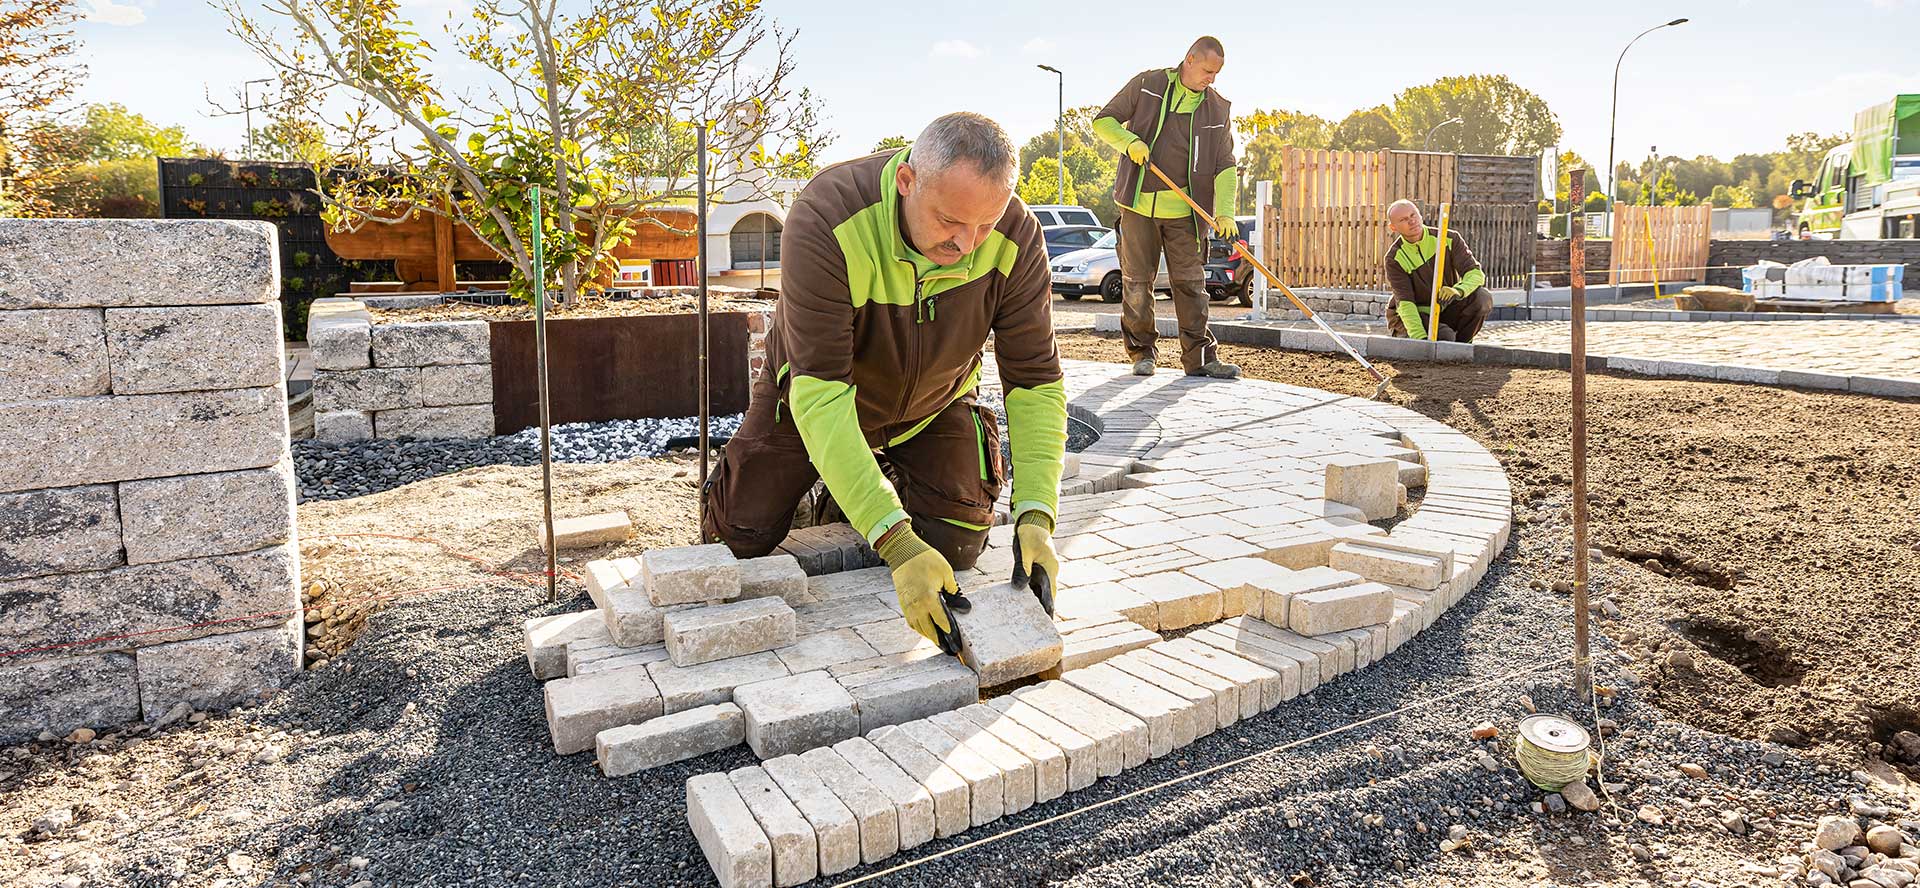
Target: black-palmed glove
[(1035, 564), (923, 581)]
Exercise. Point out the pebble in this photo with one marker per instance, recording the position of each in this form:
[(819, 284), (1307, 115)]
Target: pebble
[(1556, 803), (1527, 703), (1651, 815), (53, 821), (269, 754), (1733, 822), (81, 735), (1640, 852), (1680, 660), (1773, 757), (1692, 770), (1485, 731), (1488, 762), (386, 806), (1834, 832), (1580, 796), (1884, 839), (361, 863), (1457, 832), (239, 864)]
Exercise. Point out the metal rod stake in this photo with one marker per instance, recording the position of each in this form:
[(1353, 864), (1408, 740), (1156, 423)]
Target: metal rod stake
[(700, 149), (1577, 264)]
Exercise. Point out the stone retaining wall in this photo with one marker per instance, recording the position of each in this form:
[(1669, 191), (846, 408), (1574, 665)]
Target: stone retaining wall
[(1351, 306), (425, 379), (147, 555)]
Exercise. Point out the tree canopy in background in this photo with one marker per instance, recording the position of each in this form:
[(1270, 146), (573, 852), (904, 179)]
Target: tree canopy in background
[(38, 74), (1497, 116)]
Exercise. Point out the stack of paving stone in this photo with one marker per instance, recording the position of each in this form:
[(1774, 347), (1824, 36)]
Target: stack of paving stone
[(689, 650)]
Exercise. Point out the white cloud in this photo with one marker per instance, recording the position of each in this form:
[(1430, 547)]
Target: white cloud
[(1037, 46), (107, 12), (956, 49)]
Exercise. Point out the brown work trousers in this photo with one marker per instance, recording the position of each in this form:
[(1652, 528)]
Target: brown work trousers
[(951, 471), (1142, 241), (1460, 319)]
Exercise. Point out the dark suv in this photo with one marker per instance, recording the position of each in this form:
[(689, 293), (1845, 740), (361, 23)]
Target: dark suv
[(1229, 277)]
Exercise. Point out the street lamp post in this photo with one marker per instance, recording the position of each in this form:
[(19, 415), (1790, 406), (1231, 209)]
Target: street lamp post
[(1428, 142), (1060, 132), (246, 104), (1614, 116)]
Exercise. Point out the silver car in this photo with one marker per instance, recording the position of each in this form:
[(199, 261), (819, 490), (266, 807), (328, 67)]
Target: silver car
[(1096, 269)]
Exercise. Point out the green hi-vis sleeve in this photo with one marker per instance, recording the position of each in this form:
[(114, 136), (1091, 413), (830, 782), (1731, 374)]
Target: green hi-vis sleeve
[(1114, 133), (1037, 425), (1226, 195), (830, 427), (1473, 280), (1410, 316)]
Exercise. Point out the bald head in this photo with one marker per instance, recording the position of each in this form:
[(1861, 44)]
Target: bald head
[(1204, 60), (1403, 218)]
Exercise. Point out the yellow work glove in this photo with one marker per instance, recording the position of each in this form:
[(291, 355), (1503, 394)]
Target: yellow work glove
[(1448, 294), (1035, 564), (924, 583), (1226, 227), (1137, 151)]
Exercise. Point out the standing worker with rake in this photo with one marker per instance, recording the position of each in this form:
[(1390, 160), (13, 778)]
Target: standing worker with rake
[(1173, 118), (897, 266), (1464, 300)]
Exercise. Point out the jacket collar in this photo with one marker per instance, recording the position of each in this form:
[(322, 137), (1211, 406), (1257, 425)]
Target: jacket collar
[(890, 211)]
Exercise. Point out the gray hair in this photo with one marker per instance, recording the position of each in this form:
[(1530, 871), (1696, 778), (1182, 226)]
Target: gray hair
[(964, 135)]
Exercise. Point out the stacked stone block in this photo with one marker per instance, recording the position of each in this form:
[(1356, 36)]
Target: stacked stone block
[(147, 552), (425, 379)]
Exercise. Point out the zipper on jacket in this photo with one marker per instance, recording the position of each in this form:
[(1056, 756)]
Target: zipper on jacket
[(913, 353)]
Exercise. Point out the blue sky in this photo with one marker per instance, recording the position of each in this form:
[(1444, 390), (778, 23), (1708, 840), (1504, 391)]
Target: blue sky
[(1738, 77)]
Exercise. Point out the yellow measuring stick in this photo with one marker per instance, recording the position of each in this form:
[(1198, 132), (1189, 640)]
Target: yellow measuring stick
[(1439, 273)]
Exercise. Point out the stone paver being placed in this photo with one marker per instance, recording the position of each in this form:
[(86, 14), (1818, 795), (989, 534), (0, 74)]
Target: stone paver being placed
[(1863, 348), (1230, 512)]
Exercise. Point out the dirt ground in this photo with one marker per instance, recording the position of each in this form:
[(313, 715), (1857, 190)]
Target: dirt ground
[(718, 299), (1775, 529)]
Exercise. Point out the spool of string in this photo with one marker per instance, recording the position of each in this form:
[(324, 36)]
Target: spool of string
[(1549, 769)]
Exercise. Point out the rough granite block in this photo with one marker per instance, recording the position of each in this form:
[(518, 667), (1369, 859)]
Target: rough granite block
[(1225, 694), (874, 817), (1087, 758), (1018, 776), (1388, 565), (986, 783), (340, 334), (342, 426), (194, 348), (695, 732), (689, 574), (1340, 609), (121, 438), (836, 831), (796, 850), (889, 692), (548, 637), (427, 423), (1088, 714), (1180, 600), (461, 384), (218, 671), (792, 714), (586, 531), (1365, 483), (63, 530), (912, 803), (58, 353), (774, 576), (716, 632), (687, 687), (423, 343), (370, 389), (1006, 634), (1049, 760), (581, 707), (1170, 724), (952, 794), (735, 846), (195, 516), (137, 262), (823, 649), (86, 690), (1261, 688)]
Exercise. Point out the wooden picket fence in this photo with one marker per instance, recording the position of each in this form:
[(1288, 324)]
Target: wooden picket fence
[(1328, 224), (1664, 243)]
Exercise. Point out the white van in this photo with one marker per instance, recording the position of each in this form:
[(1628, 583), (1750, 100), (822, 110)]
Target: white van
[(1061, 214)]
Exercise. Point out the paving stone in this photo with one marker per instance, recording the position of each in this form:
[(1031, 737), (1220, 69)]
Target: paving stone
[(1388, 565), (1261, 688), (689, 574), (774, 576), (218, 671), (912, 802), (1180, 600), (1225, 693), (792, 714), (342, 426), (548, 637), (842, 613), (1086, 647), (891, 636), (586, 531), (890, 692), (1219, 546), (848, 584), (873, 813), (1282, 589), (1018, 773), (1006, 635), (127, 437), (1102, 598), (581, 707), (457, 385), (640, 656), (630, 749), (1338, 609), (1083, 545), (823, 649), (64, 530), (717, 632), (1087, 713), (1049, 761), (1205, 702), (424, 343), (1300, 669), (704, 684), (1242, 583), (1335, 659), (194, 348), (835, 830), (952, 794), (796, 850), (197, 516), (57, 353), (1171, 723), (986, 783), (736, 848), (1089, 757)]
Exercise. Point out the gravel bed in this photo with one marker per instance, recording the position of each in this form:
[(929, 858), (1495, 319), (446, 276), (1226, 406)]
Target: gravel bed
[(423, 751)]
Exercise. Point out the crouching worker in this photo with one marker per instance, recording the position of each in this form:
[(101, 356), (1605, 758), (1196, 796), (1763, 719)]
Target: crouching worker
[(1464, 300), (895, 268)]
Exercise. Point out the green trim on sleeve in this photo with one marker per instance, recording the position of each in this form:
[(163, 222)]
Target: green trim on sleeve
[(1410, 316), (1111, 131), (829, 425), (1226, 193), (1473, 280), (1037, 425)]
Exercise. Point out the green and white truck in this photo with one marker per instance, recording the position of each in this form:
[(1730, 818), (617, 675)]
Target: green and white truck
[(1868, 188)]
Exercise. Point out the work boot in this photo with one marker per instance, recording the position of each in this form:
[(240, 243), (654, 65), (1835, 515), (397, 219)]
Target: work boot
[(1217, 370), (1143, 367)]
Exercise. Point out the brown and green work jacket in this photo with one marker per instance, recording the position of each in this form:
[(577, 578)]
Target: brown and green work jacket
[(871, 340), (1410, 268), (1193, 149)]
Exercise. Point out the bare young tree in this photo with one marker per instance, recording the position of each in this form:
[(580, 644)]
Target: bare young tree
[(596, 103)]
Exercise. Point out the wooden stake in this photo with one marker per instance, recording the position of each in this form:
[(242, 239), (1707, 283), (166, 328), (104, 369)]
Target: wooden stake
[(1577, 263)]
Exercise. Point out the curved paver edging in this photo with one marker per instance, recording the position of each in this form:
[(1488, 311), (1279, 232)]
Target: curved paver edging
[(1206, 508), (1268, 335)]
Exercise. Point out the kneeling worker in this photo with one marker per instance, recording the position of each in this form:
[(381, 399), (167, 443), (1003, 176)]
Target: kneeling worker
[(895, 269), (1464, 300)]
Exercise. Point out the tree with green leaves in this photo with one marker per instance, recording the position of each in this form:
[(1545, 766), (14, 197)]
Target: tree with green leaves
[(891, 143), (1497, 116), (1368, 130), (597, 106), (1091, 165), (1297, 128), (1041, 184), (38, 73)]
